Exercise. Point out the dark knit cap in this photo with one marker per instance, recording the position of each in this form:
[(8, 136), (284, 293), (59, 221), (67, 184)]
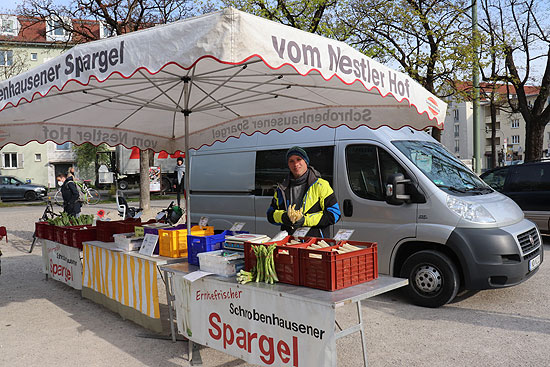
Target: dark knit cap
[(180, 159), (299, 152)]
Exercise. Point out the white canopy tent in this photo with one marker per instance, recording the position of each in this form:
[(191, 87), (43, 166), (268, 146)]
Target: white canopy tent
[(205, 79)]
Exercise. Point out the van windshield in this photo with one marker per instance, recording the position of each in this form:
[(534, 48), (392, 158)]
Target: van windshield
[(442, 168)]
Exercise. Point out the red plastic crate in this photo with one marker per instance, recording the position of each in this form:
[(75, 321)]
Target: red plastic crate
[(48, 232), (286, 258), (65, 233), (75, 236), (330, 271), (106, 229), (58, 234), (41, 229)]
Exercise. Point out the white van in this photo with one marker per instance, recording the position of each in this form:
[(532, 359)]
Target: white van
[(435, 222)]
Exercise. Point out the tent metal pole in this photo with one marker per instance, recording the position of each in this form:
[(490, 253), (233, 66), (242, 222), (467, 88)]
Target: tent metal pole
[(186, 113)]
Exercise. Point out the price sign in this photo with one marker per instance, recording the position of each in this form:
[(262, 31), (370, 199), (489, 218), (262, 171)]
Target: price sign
[(149, 243), (237, 226), (203, 222), (343, 234), (301, 232)]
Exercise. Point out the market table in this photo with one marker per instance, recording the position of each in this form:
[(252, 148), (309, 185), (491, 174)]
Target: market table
[(250, 321), (124, 282)]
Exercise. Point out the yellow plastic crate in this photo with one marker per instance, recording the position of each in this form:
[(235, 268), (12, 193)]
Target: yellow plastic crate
[(173, 243)]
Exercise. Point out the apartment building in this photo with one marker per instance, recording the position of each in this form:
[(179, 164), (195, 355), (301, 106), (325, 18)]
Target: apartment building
[(24, 44)]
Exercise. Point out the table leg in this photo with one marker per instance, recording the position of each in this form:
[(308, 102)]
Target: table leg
[(194, 355), (169, 299), (363, 338), (353, 329)]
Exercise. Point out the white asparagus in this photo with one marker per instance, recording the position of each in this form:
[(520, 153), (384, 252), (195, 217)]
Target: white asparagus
[(322, 243), (350, 247)]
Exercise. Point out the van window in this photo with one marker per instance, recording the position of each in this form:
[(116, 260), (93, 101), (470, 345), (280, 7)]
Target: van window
[(441, 167), (365, 164), (534, 177), (496, 178), (271, 167)]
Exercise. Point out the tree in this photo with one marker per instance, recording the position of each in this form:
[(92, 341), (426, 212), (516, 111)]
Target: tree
[(118, 16), (86, 156), (428, 39), (521, 30), (312, 16)]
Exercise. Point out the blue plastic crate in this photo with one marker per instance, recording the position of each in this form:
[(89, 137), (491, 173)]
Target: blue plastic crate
[(198, 244)]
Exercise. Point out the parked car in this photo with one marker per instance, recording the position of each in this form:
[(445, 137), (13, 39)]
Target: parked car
[(13, 188), (528, 184)]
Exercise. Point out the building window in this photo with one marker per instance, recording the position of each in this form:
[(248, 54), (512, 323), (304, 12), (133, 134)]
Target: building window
[(34, 56), (515, 124), (104, 30), (64, 146), (6, 57), (457, 130), (37, 157), (515, 139), (10, 160), (55, 30), (9, 25), (457, 145), (457, 115)]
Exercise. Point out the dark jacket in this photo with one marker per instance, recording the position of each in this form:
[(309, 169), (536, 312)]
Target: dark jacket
[(71, 205), (319, 205)]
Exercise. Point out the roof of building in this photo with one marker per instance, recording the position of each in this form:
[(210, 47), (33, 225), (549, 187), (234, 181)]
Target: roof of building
[(34, 30), (500, 88)]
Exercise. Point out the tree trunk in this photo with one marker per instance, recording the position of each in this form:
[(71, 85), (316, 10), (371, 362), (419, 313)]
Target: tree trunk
[(144, 192), (493, 135), (534, 139)]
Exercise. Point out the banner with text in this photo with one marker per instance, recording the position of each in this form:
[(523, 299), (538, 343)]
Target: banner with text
[(258, 325), (62, 263)]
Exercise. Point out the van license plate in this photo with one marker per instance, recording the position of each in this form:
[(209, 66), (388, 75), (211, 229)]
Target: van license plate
[(534, 262)]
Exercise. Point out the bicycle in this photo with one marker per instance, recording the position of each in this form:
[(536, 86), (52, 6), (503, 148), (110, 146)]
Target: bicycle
[(48, 214), (87, 194)]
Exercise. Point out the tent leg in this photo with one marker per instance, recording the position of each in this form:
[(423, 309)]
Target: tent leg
[(186, 113)]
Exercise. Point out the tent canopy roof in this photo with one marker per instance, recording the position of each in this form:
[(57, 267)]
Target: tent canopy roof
[(229, 72)]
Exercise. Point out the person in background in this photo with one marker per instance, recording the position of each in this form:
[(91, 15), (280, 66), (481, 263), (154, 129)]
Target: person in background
[(180, 179), (71, 204), (304, 199), (70, 172)]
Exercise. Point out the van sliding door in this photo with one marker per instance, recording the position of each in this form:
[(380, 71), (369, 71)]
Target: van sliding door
[(222, 186)]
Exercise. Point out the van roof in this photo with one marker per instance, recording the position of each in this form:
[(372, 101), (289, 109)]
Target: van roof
[(322, 136)]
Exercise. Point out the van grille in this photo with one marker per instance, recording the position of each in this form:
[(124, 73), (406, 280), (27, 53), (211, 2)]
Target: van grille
[(529, 241)]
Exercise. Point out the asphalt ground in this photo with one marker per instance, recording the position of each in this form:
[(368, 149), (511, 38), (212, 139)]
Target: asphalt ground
[(45, 323)]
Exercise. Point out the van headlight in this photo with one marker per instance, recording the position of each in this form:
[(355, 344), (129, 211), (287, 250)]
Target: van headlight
[(471, 212)]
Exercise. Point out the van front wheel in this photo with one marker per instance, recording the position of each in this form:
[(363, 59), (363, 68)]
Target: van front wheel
[(433, 278)]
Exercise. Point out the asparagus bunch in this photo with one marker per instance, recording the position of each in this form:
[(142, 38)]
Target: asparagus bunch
[(264, 271), (244, 276)]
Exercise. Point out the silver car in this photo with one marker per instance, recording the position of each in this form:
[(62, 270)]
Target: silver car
[(13, 188)]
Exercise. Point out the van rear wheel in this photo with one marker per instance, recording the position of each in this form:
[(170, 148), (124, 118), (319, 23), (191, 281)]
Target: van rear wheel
[(433, 278)]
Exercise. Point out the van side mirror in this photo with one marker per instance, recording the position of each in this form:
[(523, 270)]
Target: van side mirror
[(396, 190)]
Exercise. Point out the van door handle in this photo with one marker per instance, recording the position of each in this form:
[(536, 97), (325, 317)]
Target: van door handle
[(348, 208)]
